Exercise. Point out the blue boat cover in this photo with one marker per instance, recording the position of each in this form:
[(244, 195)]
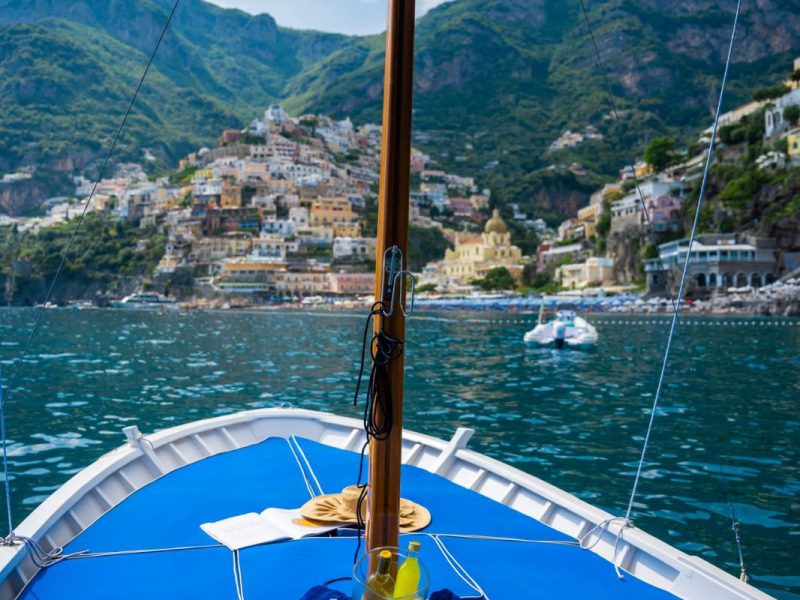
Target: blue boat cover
[(166, 516)]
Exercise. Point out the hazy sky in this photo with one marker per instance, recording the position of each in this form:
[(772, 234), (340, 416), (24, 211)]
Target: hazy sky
[(341, 16)]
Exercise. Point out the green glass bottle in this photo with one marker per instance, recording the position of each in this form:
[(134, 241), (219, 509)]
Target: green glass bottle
[(380, 584), (408, 574)]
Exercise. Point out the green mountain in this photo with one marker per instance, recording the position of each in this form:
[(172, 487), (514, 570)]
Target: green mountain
[(500, 80), (68, 69), (497, 81)]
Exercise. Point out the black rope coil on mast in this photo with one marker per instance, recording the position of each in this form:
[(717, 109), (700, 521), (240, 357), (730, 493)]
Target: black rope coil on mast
[(378, 406)]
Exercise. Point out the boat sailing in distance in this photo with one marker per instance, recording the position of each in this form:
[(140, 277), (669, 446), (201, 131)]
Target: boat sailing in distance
[(567, 330), (146, 301)]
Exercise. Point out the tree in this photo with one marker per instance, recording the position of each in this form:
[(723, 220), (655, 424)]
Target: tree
[(795, 76), (604, 222), (425, 244), (659, 152), (732, 134), (650, 251), (498, 278), (792, 113), (529, 274), (770, 93)]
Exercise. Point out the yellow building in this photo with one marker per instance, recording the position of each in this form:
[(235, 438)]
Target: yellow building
[(643, 169), (231, 195), (793, 140), (336, 213), (475, 258), (595, 271), (246, 276), (588, 216), (209, 249)]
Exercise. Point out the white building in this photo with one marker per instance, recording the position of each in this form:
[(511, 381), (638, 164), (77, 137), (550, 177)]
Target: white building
[(628, 209), (299, 215), (717, 261), (272, 248), (774, 122), (350, 246), (279, 227), (276, 115)]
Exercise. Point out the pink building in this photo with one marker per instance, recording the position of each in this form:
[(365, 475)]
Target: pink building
[(665, 213), (464, 209), (352, 283)]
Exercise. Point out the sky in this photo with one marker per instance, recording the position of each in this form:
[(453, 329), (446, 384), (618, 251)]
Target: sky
[(340, 16)]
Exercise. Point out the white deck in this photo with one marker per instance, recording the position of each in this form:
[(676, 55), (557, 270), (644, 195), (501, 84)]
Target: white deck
[(104, 484)]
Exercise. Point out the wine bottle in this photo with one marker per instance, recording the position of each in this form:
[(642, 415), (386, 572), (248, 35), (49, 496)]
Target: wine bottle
[(380, 584)]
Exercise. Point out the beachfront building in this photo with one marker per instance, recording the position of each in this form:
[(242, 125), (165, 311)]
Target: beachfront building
[(474, 258), (303, 283), (352, 284), (717, 261), (248, 276), (594, 272)]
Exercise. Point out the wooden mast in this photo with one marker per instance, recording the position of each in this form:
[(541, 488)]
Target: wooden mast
[(384, 455)]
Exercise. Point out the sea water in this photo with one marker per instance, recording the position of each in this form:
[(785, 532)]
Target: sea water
[(727, 432)]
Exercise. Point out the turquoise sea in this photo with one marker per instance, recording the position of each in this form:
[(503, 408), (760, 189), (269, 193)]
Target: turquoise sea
[(728, 427)]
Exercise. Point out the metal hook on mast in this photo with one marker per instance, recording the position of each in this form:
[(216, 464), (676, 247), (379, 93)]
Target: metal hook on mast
[(393, 277)]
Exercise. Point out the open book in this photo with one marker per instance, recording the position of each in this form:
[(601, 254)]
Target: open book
[(271, 525)]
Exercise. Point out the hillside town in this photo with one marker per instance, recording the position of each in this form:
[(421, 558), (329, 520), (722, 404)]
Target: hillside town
[(280, 209), (284, 210)]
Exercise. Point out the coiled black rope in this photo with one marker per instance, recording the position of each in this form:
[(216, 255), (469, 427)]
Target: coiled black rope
[(378, 406)]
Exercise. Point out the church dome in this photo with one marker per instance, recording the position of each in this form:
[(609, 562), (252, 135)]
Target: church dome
[(496, 223)]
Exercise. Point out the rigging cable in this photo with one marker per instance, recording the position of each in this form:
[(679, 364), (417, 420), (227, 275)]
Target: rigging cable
[(677, 304), (4, 397), (615, 112)]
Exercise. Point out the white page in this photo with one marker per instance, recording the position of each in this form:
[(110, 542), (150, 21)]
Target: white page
[(292, 523), (252, 529)]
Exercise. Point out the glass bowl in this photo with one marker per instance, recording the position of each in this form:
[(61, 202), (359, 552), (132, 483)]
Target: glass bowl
[(369, 560)]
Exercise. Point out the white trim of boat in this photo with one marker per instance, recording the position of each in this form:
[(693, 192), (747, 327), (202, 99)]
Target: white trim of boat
[(112, 478)]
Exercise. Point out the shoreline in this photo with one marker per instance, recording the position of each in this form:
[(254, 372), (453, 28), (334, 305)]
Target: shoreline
[(763, 312)]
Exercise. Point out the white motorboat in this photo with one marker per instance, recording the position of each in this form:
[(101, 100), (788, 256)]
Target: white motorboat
[(146, 301), (566, 330)]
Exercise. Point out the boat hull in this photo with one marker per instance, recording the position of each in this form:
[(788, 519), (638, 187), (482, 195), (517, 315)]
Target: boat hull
[(76, 514), (577, 334)]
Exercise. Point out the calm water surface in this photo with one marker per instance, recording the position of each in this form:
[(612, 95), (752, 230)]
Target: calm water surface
[(729, 422)]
